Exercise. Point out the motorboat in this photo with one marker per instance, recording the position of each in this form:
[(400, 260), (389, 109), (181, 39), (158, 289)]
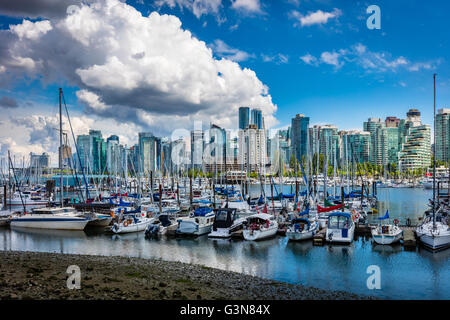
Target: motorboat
[(301, 229), (65, 218), (260, 226), (341, 227), (226, 222), (387, 233), (198, 223), (26, 198), (160, 226)]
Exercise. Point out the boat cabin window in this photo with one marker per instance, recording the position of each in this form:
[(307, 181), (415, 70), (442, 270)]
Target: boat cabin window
[(338, 222), (221, 216)]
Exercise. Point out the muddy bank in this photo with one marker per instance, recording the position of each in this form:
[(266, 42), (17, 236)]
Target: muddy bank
[(33, 275)]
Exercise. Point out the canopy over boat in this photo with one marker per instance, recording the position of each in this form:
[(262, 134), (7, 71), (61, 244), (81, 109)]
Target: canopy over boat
[(224, 218), (340, 214), (202, 211)]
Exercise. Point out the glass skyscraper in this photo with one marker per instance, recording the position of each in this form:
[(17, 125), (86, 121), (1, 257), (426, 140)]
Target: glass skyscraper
[(299, 137), (244, 117), (257, 118)]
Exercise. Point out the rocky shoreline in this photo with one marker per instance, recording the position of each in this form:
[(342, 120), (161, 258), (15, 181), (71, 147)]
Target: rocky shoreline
[(42, 276)]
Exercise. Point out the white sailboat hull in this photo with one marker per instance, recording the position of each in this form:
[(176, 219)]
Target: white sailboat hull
[(133, 227), (386, 238), (302, 235), (253, 235), (436, 242)]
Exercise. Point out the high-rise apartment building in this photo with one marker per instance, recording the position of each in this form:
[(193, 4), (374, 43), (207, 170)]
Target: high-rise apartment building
[(442, 147)]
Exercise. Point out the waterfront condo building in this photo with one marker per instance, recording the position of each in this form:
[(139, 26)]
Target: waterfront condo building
[(442, 147), (415, 142)]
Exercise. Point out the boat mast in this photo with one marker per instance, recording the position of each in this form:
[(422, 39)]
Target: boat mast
[(61, 181), (434, 156)]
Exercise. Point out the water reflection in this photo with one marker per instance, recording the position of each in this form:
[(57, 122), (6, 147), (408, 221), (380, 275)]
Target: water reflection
[(405, 275)]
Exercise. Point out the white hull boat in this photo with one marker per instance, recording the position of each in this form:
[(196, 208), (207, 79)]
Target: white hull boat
[(387, 234), (437, 238), (51, 218), (131, 225), (302, 229), (226, 222), (198, 224), (260, 226), (341, 228)]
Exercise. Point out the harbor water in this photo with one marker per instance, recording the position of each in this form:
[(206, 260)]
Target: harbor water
[(404, 274)]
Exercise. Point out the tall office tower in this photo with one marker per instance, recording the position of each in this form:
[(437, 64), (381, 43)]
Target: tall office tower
[(150, 152), (257, 118), (113, 155), (299, 137), (372, 126), (252, 152), (415, 142), (244, 117), (442, 147), (84, 160), (197, 147)]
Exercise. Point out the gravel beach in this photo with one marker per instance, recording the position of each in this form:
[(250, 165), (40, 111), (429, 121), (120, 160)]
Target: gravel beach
[(42, 276)]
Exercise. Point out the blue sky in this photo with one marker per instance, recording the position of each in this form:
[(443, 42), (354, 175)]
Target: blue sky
[(345, 96), (316, 57)]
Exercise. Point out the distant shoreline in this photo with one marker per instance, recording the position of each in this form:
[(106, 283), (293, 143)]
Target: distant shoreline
[(42, 276)]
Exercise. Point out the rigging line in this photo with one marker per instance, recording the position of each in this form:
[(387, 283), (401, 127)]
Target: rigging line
[(75, 143)]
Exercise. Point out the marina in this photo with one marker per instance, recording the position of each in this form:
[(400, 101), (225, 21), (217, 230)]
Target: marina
[(408, 271)]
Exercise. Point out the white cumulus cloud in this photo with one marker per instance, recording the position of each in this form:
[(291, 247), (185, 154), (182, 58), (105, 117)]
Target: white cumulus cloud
[(134, 68)]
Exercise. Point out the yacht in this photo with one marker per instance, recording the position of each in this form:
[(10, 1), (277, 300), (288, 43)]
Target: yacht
[(26, 198), (160, 226), (340, 227), (65, 218), (260, 226), (198, 223), (225, 223)]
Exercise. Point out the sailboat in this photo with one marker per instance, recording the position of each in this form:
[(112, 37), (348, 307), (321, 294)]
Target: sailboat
[(434, 232), (387, 233)]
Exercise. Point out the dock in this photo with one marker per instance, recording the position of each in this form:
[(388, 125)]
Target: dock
[(409, 239), (319, 237)]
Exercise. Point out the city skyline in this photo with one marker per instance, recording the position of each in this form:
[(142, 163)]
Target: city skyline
[(315, 58)]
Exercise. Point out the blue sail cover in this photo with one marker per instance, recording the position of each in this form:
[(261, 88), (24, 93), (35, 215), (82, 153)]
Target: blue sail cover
[(202, 211), (386, 216)]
